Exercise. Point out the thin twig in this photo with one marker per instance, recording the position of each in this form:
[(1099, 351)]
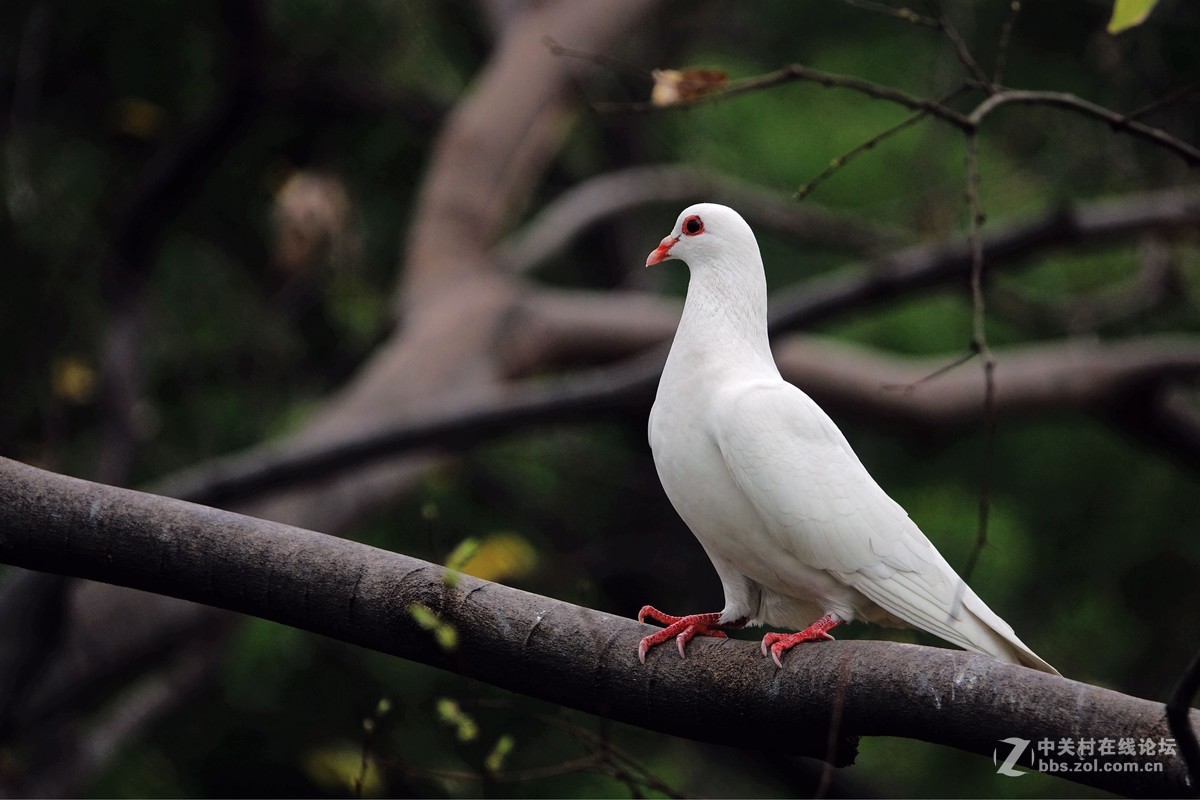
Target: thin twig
[(902, 13), (1119, 122), (966, 123), (1178, 714), (1010, 21), (840, 161), (798, 72), (1161, 103), (960, 48), (937, 373), (979, 344), (599, 59), (588, 763), (605, 753), (622, 763)]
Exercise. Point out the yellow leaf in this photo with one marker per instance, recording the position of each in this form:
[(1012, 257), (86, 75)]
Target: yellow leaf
[(338, 768), (504, 555), (1129, 14), (73, 380)]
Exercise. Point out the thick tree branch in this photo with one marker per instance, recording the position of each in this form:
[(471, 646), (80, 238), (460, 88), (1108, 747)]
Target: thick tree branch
[(1075, 376), (479, 169), (948, 261), (883, 280), (613, 193), (163, 187), (726, 692)]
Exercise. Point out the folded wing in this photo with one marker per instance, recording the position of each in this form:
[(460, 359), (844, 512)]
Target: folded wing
[(822, 507)]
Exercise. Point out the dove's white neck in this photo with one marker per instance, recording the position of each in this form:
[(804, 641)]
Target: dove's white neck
[(724, 323)]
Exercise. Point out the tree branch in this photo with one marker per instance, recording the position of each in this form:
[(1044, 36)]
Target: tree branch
[(949, 261), (1178, 713), (967, 123), (852, 380), (725, 693), (883, 280), (1119, 122), (798, 72), (586, 204)]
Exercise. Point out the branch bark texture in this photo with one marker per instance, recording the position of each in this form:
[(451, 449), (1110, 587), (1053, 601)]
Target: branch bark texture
[(725, 692)]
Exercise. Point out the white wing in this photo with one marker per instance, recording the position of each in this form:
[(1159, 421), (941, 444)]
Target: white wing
[(822, 507)]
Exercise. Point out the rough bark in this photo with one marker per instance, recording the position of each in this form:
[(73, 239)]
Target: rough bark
[(826, 696)]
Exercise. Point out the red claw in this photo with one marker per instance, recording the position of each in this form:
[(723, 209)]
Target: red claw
[(779, 643), (684, 629)]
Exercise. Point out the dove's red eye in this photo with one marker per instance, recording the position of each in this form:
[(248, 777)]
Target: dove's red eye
[(693, 225)]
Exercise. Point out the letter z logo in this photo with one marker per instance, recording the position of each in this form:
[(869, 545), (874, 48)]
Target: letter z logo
[(1018, 749)]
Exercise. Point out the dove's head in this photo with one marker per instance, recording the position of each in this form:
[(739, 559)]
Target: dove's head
[(704, 233)]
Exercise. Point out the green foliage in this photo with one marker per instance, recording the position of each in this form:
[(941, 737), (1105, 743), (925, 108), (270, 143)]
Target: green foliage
[(1090, 552), (445, 633), (1128, 14)]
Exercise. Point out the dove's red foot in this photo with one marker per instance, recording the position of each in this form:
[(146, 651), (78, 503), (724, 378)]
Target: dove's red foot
[(779, 643), (684, 629)]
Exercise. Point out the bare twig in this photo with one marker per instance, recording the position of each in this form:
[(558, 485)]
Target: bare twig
[(960, 47), (626, 767), (1167, 100), (979, 345), (903, 13), (1119, 122), (587, 763), (934, 375), (799, 72), (966, 123), (1010, 21), (599, 59), (840, 161)]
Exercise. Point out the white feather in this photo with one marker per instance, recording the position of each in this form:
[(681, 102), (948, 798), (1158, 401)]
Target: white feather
[(792, 521)]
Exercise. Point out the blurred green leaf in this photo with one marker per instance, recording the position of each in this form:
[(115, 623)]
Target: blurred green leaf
[(450, 713), (443, 632), (1128, 14), (494, 762), (339, 769)]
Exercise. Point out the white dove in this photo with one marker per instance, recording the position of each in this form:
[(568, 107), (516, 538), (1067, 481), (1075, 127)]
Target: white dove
[(799, 533)]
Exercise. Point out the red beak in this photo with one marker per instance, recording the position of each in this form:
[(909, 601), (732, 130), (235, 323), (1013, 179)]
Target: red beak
[(662, 252)]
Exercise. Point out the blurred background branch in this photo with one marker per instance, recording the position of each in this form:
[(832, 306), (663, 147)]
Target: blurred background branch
[(208, 301)]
